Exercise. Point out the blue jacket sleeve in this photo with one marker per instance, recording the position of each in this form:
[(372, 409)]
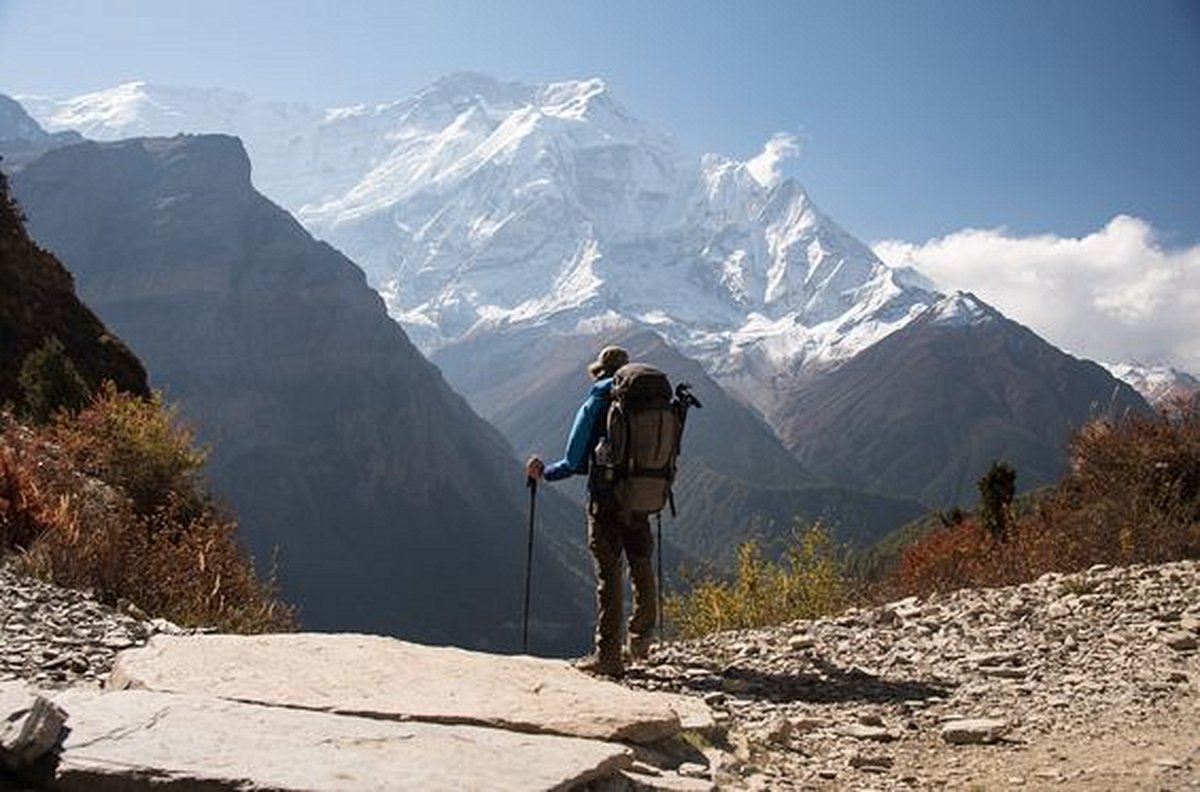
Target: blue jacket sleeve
[(585, 433)]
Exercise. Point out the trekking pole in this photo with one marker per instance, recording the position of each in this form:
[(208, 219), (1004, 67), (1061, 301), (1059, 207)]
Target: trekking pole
[(660, 578), (531, 483)]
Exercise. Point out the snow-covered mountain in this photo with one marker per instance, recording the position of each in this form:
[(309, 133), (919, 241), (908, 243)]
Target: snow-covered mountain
[(488, 213), (478, 204), (1159, 384)]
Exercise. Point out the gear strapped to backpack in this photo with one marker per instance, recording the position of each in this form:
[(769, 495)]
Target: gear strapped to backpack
[(634, 464)]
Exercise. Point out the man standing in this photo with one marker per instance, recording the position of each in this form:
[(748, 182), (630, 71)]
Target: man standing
[(611, 531)]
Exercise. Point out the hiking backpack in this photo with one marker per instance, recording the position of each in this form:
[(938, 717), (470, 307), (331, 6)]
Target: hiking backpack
[(635, 463)]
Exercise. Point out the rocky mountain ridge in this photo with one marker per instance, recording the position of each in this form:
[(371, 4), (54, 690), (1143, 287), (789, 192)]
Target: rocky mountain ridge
[(926, 410), (1074, 681)]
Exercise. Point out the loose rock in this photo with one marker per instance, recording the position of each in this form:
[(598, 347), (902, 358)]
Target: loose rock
[(1065, 659), (976, 730), (1096, 664)]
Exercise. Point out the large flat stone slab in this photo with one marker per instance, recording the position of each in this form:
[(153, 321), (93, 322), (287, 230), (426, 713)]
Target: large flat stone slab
[(142, 740), (387, 678)]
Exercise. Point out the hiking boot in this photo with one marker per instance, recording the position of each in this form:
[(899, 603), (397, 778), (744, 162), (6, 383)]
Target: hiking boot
[(595, 664), (639, 650)]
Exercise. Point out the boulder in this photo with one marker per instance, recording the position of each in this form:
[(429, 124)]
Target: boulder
[(30, 726), (142, 740), (389, 679)]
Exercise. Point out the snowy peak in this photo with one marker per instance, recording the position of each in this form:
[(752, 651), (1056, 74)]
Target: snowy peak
[(101, 115), (962, 309), (140, 109), (478, 204), (471, 86), (730, 191), (1159, 384), (574, 98)]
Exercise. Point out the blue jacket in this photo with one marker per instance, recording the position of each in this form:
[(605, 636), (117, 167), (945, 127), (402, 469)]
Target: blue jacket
[(589, 427)]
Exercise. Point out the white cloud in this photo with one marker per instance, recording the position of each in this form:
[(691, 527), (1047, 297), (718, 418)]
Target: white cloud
[(765, 167), (1116, 294)]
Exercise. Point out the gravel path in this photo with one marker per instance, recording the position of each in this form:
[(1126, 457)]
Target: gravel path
[(1086, 681)]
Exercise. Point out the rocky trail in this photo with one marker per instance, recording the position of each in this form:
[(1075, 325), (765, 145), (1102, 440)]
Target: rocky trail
[(1082, 681)]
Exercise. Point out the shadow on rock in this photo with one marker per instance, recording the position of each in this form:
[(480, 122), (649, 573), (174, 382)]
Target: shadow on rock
[(827, 683)]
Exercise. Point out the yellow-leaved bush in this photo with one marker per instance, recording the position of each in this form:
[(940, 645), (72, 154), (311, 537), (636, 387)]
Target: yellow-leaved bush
[(806, 582)]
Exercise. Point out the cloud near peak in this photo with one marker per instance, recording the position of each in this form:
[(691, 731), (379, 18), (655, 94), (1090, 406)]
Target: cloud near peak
[(765, 167), (1113, 295)]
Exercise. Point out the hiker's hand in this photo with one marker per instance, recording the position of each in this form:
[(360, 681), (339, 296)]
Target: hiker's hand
[(534, 468)]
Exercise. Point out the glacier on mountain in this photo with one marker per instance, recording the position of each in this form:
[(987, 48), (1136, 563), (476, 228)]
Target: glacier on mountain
[(478, 205)]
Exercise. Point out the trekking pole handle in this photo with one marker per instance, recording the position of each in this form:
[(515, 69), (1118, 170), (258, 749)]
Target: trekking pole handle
[(683, 393)]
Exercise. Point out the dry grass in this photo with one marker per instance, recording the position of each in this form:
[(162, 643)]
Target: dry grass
[(110, 500)]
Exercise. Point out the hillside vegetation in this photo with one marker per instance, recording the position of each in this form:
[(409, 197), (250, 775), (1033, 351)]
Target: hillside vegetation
[(100, 485), (1132, 495), (110, 499)]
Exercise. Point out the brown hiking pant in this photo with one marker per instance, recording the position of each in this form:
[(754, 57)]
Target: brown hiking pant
[(609, 535)]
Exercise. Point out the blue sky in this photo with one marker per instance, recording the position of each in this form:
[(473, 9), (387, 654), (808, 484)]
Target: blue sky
[(916, 120)]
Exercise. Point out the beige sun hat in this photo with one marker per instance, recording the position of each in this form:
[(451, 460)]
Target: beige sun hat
[(610, 359)]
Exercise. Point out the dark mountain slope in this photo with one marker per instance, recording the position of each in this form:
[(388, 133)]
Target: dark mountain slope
[(926, 411), (736, 480), (394, 507), (37, 301)]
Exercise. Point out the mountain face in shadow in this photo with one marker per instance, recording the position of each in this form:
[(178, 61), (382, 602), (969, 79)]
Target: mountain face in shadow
[(736, 480), (392, 507), (38, 301), (926, 411)]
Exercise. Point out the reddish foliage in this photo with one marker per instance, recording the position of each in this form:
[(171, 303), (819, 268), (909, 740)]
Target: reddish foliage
[(1132, 496), (68, 508)]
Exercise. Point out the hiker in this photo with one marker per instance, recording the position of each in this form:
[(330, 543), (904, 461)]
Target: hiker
[(612, 530)]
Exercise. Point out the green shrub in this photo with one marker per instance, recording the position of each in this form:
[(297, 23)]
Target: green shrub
[(807, 582), (50, 382), (141, 447)]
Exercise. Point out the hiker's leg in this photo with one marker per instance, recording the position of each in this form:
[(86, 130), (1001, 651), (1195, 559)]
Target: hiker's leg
[(639, 549), (604, 540)]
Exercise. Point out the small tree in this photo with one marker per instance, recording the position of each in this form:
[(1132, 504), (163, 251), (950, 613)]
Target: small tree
[(50, 382), (997, 489), (140, 446)]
